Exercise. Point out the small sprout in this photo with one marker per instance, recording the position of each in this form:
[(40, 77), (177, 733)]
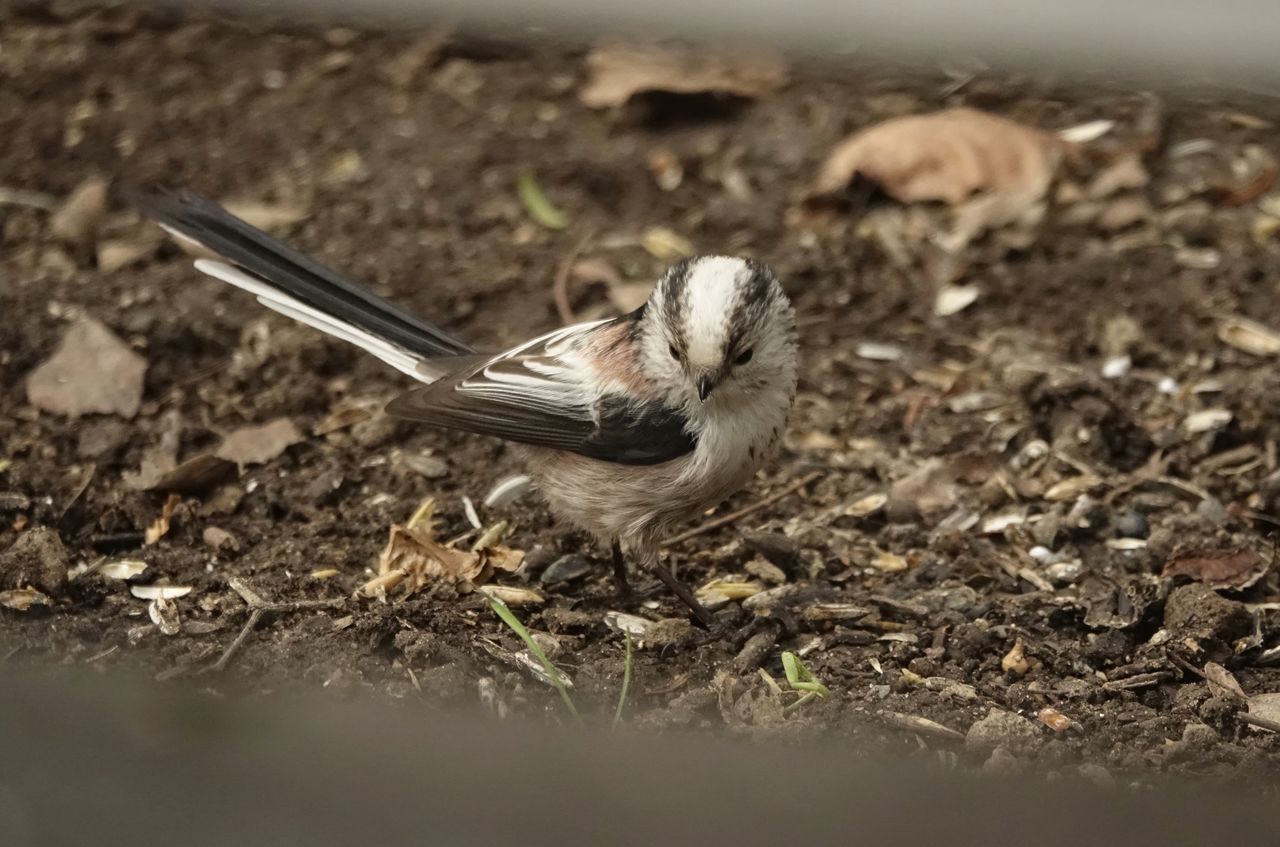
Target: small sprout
[(800, 678), (537, 205), (626, 684), (491, 536), (501, 610)]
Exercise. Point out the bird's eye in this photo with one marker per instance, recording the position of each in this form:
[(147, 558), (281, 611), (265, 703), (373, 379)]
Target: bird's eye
[(744, 357), (675, 354)]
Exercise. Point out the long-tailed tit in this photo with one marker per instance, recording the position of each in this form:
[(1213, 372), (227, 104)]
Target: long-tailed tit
[(630, 425)]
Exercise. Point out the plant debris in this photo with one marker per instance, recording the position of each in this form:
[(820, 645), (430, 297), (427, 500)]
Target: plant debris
[(616, 72), (413, 559), (91, 372), (1219, 569), (258, 444)]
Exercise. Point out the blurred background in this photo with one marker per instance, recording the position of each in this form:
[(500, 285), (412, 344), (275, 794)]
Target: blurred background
[(1022, 523)]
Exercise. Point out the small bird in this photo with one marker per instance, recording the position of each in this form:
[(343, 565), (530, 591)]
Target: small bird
[(629, 425)]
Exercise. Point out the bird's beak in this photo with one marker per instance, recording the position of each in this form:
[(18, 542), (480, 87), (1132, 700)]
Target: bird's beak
[(706, 384)]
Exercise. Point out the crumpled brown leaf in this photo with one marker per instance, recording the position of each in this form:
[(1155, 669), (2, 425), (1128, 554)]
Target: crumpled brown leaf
[(414, 559), (1218, 569), (91, 372), (947, 156), (617, 71), (254, 445), (992, 171)]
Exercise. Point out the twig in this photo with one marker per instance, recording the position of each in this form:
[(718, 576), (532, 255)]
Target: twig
[(560, 287), (259, 608), (1260, 722), (725, 520), (234, 647)]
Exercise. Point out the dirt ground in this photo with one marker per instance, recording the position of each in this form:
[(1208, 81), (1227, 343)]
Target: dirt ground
[(1067, 542)]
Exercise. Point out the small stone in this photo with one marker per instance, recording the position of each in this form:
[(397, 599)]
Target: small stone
[(220, 539), (1211, 509), (1001, 728), (76, 220), (775, 547), (1132, 525), (98, 436), (1002, 763), (766, 571), (1098, 775), (1197, 611), (566, 568), (36, 560)]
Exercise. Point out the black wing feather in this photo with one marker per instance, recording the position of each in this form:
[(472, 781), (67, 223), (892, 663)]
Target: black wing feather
[(302, 278), (613, 429)]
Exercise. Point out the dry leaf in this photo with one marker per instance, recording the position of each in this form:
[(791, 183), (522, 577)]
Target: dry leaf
[(666, 244), (91, 372), (160, 527), (22, 599), (617, 72), (1222, 683), (945, 156), (76, 220), (254, 445), (159, 459), (1218, 569), (196, 475), (1265, 706), (413, 559), (266, 216), (512, 595), (116, 254)]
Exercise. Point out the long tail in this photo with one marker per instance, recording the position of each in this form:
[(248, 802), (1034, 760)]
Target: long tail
[(290, 283)]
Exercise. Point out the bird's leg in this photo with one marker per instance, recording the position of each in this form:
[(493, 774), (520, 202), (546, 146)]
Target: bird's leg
[(620, 572), (682, 591)]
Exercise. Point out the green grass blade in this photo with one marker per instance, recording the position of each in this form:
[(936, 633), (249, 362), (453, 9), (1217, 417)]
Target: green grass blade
[(626, 685), (539, 207), (508, 618)]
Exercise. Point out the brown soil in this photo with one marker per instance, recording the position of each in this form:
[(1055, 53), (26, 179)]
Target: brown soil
[(412, 188)]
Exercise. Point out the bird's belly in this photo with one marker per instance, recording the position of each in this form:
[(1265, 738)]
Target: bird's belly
[(637, 504)]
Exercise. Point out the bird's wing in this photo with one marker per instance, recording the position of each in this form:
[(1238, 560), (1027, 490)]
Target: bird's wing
[(545, 393)]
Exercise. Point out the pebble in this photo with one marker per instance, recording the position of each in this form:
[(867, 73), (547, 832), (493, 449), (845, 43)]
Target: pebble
[(1002, 763), (1132, 525), (566, 568), (1001, 729), (775, 547), (220, 539), (1211, 509), (1098, 775), (36, 560)]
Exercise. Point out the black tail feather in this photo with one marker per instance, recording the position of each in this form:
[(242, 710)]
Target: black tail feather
[(293, 273)]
